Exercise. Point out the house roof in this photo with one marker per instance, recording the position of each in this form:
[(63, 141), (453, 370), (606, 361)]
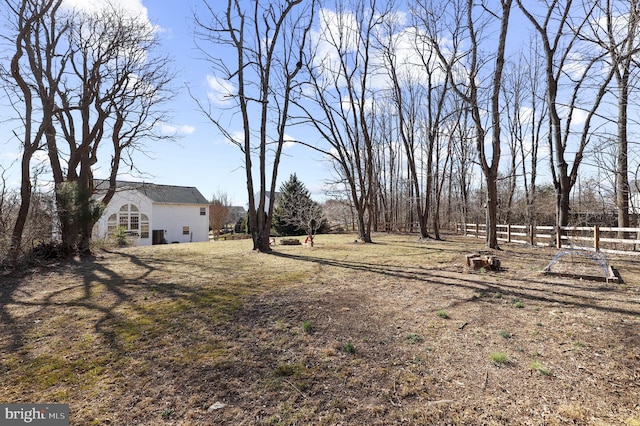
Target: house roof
[(236, 212), (169, 194)]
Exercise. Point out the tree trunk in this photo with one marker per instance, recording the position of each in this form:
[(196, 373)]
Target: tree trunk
[(492, 211), (563, 199), (364, 227), (622, 178), (23, 211)]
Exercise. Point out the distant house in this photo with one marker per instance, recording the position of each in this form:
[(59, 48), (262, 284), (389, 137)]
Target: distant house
[(236, 213), (267, 199), (154, 214)]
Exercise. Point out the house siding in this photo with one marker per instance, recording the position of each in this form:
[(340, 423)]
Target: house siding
[(173, 217), (168, 217)]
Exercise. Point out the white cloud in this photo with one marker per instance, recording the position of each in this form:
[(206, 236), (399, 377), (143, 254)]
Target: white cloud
[(578, 116), (289, 141), (576, 65), (10, 156), (135, 7), (170, 129), (219, 90)]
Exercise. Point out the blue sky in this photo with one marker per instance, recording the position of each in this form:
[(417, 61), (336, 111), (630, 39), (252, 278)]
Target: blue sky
[(200, 156)]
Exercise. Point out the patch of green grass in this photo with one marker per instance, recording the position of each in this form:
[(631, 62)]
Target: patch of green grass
[(414, 338), (442, 314), (307, 326), (166, 413), (505, 334), (348, 348), (537, 366), (519, 304), (498, 358)]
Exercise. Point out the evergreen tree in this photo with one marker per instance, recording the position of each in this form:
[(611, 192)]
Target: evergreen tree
[(295, 212)]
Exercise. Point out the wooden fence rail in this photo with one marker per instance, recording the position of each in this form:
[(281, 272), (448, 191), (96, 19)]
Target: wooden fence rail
[(596, 238)]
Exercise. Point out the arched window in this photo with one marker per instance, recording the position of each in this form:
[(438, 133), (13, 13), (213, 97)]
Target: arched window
[(144, 226), (131, 220)]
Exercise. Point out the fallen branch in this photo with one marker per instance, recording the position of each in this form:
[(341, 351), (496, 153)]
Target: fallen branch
[(295, 387), (442, 401)]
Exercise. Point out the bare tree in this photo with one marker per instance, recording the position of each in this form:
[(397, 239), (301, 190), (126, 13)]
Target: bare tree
[(339, 214), (462, 164), (342, 91), (114, 86), (93, 76), (387, 159), (532, 123), (409, 96), (8, 201), (267, 40), (34, 41), (574, 83), (619, 36), (525, 119), (219, 212), (469, 21)]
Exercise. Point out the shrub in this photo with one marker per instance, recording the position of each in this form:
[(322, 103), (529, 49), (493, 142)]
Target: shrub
[(442, 314), (499, 358)]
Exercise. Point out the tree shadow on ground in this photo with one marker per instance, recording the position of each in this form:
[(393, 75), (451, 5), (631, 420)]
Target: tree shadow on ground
[(537, 290)]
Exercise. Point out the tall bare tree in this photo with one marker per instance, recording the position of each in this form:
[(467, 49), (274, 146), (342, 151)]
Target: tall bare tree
[(575, 83), (531, 121), (34, 40), (617, 31), (94, 77), (342, 90), (267, 41), (413, 97), (114, 88), (468, 21)]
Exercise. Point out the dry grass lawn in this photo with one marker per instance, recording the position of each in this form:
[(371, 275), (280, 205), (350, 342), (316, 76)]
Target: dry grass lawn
[(397, 332)]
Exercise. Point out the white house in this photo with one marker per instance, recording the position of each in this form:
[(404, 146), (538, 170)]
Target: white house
[(154, 214)]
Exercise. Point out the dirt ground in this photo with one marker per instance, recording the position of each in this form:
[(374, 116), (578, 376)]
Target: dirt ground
[(398, 332)]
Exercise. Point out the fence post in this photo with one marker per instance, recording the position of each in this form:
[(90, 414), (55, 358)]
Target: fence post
[(477, 230), (596, 238), (558, 237), (508, 233), (531, 235)]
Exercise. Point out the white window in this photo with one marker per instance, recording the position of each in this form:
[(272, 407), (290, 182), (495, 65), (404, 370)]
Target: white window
[(112, 224), (130, 220), (185, 230), (203, 211), (144, 226)]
